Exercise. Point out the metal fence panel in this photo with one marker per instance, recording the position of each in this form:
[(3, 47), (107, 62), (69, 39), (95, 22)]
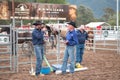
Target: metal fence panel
[(6, 54)]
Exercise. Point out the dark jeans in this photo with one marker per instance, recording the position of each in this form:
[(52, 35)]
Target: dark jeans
[(39, 57), (79, 52)]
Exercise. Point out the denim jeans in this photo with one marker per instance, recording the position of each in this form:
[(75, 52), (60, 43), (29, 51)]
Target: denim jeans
[(39, 52), (69, 51), (79, 52)]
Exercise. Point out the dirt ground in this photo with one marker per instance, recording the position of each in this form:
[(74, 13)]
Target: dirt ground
[(102, 65)]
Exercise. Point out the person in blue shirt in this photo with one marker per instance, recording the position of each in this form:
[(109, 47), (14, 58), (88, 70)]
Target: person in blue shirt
[(38, 43), (82, 38), (71, 41)]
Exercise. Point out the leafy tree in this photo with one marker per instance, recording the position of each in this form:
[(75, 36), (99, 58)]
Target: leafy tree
[(84, 15), (110, 16), (113, 20), (109, 13)]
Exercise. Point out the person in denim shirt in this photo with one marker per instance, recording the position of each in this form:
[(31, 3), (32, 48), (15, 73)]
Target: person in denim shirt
[(82, 38), (38, 41), (71, 41)]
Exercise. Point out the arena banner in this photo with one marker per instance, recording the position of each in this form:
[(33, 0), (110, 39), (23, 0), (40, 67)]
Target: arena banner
[(41, 11)]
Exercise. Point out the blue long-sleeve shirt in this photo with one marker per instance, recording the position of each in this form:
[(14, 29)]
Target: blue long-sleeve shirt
[(37, 37), (82, 36), (71, 37)]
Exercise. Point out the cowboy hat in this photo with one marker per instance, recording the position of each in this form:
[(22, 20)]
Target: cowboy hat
[(72, 23), (37, 23)]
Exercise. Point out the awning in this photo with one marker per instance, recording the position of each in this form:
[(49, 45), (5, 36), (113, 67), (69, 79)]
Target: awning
[(95, 24)]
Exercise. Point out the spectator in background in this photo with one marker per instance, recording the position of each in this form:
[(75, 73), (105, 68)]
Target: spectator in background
[(71, 41), (82, 38)]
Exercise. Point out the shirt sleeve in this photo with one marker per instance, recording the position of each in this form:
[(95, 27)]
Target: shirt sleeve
[(74, 41)]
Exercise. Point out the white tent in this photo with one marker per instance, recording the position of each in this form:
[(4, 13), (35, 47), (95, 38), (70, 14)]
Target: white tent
[(96, 24)]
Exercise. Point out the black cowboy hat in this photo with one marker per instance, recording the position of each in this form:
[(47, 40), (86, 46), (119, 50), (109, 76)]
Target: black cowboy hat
[(72, 23), (37, 23)]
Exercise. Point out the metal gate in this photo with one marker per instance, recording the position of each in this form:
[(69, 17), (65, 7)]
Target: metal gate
[(25, 54), (6, 51), (104, 40)]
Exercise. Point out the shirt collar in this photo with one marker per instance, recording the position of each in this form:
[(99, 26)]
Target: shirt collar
[(71, 31)]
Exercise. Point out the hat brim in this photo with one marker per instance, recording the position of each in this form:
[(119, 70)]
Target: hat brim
[(37, 24)]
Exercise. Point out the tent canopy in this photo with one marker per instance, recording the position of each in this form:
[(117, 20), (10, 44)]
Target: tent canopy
[(95, 24)]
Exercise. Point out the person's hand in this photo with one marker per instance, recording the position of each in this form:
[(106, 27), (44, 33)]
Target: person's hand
[(43, 29), (66, 41)]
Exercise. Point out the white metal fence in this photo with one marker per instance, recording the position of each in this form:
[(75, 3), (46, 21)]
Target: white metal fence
[(7, 57), (103, 40)]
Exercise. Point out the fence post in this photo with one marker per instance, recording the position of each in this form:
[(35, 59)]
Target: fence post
[(94, 41), (58, 47)]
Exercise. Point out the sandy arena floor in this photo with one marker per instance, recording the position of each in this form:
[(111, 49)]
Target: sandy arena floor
[(102, 65)]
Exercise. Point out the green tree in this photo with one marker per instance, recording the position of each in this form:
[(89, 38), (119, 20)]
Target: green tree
[(109, 13), (112, 20), (110, 16), (84, 15)]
